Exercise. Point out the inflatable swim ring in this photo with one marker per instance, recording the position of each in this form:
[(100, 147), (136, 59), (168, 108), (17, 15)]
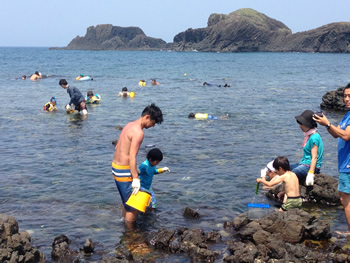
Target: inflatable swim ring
[(80, 78), (95, 99), (142, 83)]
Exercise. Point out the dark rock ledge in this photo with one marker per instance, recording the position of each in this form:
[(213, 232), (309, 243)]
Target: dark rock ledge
[(15, 246), (292, 236)]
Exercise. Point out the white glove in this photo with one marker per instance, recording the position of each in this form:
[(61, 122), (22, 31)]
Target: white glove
[(135, 185), (309, 179), (263, 173), (165, 169)]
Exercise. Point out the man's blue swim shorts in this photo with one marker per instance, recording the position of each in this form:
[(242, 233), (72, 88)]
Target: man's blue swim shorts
[(344, 183), (123, 180)]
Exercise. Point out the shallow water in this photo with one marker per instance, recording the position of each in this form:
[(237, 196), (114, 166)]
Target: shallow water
[(56, 173)]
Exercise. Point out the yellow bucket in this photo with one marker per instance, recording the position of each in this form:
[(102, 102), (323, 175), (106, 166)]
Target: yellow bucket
[(140, 201)]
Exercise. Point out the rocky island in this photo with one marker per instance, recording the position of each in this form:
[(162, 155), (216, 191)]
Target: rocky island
[(244, 30)]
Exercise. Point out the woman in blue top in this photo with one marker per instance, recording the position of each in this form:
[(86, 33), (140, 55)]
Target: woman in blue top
[(311, 162), (148, 170)]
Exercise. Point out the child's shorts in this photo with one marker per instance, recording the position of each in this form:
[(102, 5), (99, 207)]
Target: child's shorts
[(292, 202)]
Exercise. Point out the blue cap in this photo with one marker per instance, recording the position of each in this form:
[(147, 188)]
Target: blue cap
[(53, 99)]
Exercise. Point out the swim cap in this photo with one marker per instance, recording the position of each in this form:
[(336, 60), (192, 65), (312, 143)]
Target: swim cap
[(53, 99)]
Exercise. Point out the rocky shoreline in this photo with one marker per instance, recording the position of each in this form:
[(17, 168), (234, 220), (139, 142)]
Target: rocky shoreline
[(244, 30), (293, 236)]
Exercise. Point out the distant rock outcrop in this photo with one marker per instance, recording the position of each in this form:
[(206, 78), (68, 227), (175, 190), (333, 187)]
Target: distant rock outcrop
[(244, 30), (247, 30), (109, 37), (333, 100)]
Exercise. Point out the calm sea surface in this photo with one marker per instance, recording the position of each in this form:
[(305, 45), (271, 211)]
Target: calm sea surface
[(56, 168)]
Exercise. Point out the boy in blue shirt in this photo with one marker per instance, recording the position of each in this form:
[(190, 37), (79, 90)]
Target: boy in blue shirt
[(148, 170)]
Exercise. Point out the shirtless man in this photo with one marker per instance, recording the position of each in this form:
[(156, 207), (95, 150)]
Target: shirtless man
[(124, 166), (290, 181), (35, 76)]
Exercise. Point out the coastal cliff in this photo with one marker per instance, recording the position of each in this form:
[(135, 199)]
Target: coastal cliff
[(244, 30), (247, 30), (109, 37)]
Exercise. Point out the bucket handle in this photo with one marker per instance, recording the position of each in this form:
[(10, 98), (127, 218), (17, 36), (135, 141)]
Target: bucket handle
[(149, 201)]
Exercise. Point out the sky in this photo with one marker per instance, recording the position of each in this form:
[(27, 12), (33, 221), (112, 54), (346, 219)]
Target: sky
[(51, 23)]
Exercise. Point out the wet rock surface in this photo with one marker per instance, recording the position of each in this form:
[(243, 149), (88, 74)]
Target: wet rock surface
[(333, 100), (16, 246)]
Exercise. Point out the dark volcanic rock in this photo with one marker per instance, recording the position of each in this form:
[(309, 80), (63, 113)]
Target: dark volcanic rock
[(244, 30), (61, 250), (247, 30), (333, 100), (109, 37), (15, 246)]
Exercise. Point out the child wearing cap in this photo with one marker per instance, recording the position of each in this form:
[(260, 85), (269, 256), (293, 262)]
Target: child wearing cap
[(51, 105), (270, 172), (290, 181), (148, 170)]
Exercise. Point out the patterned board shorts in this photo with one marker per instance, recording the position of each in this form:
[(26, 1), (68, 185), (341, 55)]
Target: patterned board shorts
[(292, 202)]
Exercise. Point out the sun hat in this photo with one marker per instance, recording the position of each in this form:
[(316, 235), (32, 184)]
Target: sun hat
[(306, 119), (269, 166)]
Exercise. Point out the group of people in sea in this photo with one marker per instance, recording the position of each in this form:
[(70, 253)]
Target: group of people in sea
[(77, 100), (36, 76), (130, 181)]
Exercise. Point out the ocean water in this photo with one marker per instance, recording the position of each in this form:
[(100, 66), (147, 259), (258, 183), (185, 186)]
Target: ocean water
[(56, 168)]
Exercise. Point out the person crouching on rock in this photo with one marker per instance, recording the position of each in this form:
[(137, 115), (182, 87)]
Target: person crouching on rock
[(290, 181)]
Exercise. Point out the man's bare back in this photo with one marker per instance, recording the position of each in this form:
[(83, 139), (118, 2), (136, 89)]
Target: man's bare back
[(128, 146), (35, 76)]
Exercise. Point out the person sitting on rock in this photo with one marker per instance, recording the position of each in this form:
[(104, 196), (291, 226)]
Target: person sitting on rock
[(290, 181), (270, 172), (310, 164)]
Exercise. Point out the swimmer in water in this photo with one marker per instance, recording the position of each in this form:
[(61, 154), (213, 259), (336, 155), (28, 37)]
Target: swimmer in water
[(124, 92), (35, 76), (154, 82), (51, 105), (206, 116)]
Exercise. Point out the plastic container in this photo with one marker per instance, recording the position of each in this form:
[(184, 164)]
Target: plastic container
[(256, 211), (140, 201)]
